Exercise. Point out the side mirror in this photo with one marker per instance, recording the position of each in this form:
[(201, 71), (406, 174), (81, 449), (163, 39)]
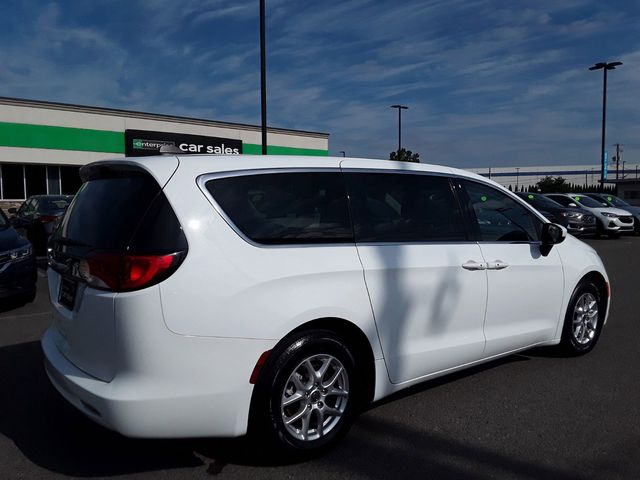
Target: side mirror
[(13, 210), (552, 234)]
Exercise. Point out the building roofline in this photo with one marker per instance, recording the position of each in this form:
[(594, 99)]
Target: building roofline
[(70, 107)]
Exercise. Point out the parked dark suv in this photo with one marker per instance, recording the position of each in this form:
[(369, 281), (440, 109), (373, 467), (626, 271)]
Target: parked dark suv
[(38, 217), (17, 264), (577, 220)]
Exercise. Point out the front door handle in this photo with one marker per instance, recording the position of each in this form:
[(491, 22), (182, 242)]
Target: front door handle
[(473, 265), (497, 265)]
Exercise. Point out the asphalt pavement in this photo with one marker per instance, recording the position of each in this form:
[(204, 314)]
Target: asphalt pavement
[(532, 415)]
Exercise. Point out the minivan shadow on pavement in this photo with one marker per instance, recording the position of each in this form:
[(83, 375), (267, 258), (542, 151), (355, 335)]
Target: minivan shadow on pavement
[(54, 436)]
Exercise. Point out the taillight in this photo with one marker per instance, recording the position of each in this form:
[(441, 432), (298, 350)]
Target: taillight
[(120, 273)]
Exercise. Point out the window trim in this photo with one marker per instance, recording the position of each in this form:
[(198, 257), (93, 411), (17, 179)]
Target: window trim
[(458, 191), (202, 180), (473, 221)]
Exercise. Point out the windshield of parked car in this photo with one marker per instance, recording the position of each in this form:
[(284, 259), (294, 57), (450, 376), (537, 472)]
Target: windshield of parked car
[(54, 204), (587, 201), (542, 202), (615, 201)]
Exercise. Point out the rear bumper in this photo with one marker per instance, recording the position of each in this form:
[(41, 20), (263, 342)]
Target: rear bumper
[(193, 399)]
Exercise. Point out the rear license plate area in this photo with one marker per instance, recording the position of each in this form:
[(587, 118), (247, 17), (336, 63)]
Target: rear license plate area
[(67, 294)]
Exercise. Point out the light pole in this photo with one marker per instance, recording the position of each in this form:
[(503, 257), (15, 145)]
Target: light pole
[(605, 66), (400, 108), (517, 177), (263, 78)]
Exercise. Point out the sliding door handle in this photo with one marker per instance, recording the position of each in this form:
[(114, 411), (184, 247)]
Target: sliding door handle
[(473, 265)]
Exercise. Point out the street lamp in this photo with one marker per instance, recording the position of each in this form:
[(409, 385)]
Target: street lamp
[(400, 108), (605, 67)]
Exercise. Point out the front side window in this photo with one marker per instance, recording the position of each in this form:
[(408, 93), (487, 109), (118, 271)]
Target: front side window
[(498, 217), (286, 208), (396, 207)]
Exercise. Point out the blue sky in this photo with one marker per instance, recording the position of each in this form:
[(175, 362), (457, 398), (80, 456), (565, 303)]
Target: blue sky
[(488, 83)]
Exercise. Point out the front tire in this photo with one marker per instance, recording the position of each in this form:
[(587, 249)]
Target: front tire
[(583, 320), (308, 395)]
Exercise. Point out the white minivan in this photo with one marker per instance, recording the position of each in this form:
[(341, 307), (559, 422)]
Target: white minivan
[(276, 296)]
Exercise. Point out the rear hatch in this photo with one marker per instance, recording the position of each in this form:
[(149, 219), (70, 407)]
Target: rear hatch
[(119, 234)]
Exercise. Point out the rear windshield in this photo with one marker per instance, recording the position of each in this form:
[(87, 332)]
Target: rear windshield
[(53, 204), (117, 212), (106, 211)]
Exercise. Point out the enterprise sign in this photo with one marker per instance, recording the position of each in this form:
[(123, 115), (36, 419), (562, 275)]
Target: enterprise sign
[(142, 143)]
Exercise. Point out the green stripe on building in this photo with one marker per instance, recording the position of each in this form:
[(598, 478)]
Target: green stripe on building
[(60, 138), (254, 149), (86, 140)]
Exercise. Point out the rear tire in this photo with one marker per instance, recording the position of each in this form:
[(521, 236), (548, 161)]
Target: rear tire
[(583, 320), (308, 394)]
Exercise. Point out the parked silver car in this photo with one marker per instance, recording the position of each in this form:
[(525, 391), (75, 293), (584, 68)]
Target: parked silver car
[(609, 221)]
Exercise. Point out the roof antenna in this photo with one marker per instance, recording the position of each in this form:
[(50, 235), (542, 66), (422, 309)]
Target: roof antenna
[(169, 150)]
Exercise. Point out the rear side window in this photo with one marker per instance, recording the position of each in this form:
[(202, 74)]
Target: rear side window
[(396, 207), (286, 208), (498, 217)]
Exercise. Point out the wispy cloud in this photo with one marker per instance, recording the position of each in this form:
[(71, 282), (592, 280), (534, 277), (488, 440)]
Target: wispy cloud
[(487, 82)]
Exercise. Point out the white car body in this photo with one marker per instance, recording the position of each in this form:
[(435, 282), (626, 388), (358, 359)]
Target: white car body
[(175, 359)]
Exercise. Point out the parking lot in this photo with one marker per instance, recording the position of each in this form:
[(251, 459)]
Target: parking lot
[(531, 415)]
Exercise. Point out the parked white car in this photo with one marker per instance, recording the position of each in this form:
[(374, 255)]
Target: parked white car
[(220, 295), (609, 221)]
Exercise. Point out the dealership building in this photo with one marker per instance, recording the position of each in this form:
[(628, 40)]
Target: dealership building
[(43, 144)]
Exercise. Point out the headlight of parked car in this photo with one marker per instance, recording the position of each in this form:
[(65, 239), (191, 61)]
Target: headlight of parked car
[(16, 254), (575, 215), (21, 252), (610, 215)]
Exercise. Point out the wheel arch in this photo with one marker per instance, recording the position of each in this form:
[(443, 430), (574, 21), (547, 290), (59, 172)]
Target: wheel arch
[(601, 284), (347, 331)]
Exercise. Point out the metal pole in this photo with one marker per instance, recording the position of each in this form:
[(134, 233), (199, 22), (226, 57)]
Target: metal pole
[(263, 77), (604, 119), (399, 129)]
